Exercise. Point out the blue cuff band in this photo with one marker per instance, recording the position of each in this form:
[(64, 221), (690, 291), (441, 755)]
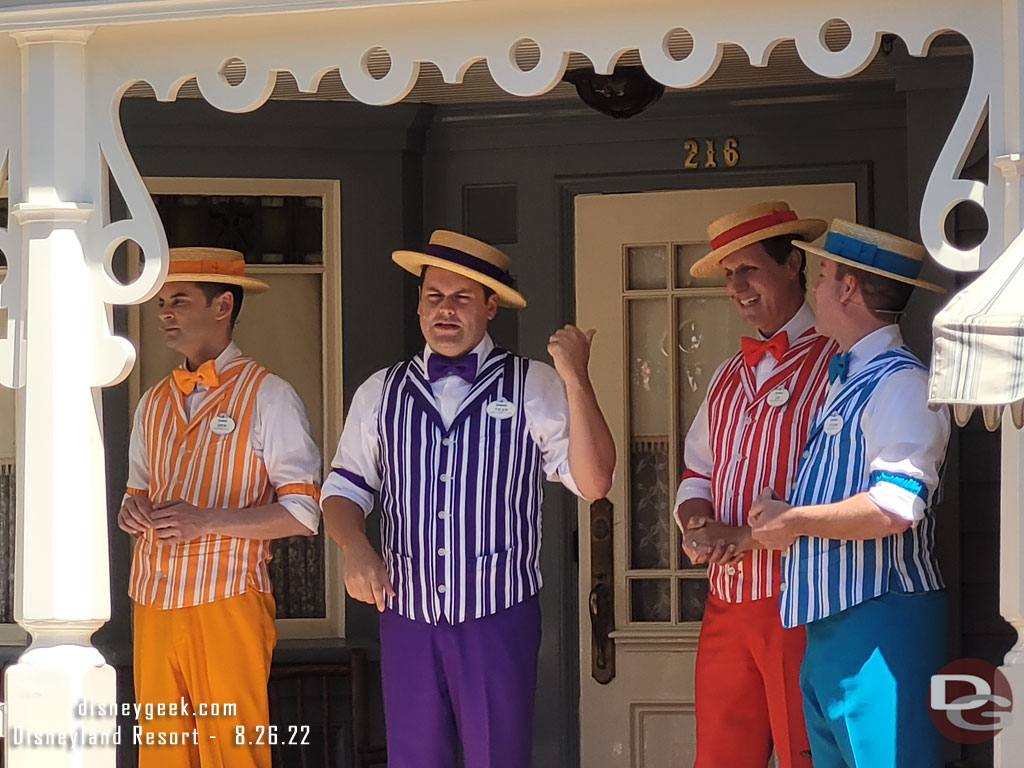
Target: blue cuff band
[(905, 482)]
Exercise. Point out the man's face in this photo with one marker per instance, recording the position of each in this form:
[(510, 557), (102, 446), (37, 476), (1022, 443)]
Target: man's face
[(765, 292), (186, 321), (827, 307), (453, 312)]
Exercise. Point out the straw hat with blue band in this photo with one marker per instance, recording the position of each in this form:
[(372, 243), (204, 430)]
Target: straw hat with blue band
[(465, 256), (873, 251)]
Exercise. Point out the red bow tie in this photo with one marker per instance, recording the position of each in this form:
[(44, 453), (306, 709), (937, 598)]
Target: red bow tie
[(753, 350)]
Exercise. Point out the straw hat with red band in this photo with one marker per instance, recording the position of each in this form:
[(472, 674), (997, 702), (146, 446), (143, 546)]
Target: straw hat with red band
[(465, 256), (211, 265), (760, 222)]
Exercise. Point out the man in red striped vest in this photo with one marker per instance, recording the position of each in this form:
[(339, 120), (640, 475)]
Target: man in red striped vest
[(220, 462), (747, 436)]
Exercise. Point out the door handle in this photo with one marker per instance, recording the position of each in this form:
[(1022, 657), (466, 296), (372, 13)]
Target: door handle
[(601, 605)]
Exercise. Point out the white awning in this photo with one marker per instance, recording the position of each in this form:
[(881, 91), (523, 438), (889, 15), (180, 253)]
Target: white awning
[(978, 346)]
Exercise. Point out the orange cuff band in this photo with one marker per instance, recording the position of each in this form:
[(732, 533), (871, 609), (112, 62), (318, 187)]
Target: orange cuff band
[(305, 489)]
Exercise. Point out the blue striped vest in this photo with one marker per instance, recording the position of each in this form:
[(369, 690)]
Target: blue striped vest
[(461, 525), (824, 576)]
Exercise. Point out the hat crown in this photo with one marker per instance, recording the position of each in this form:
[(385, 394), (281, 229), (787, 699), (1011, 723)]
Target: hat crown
[(470, 245), (199, 253), (876, 237), (767, 211)]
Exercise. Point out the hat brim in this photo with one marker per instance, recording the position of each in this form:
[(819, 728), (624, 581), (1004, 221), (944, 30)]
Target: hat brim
[(414, 261), (248, 284), (708, 266), (875, 270)]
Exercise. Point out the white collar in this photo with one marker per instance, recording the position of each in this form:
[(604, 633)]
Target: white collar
[(796, 326), (481, 350), (229, 353), (871, 346)]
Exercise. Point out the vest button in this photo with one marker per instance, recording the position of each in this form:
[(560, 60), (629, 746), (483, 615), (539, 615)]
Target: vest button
[(442, 551), (447, 441), (782, 587), (442, 589), (442, 514), (445, 477)]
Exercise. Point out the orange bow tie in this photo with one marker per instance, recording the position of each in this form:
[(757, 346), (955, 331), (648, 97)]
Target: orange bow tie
[(186, 381), (753, 350)]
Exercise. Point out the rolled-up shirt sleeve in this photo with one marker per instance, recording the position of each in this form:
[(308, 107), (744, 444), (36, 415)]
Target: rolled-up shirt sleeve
[(281, 435), (547, 413), (138, 459), (905, 443), (355, 470)]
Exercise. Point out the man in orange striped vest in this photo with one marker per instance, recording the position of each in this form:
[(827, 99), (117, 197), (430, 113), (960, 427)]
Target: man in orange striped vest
[(746, 437), (220, 462)]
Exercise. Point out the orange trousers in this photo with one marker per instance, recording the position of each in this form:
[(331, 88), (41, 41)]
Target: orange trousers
[(201, 674), (747, 687)]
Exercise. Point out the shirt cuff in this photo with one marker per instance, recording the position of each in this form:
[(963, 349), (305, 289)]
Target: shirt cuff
[(342, 482), (899, 495), (303, 508)]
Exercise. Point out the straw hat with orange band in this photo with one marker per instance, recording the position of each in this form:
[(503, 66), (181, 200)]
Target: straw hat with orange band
[(211, 265), (752, 225)]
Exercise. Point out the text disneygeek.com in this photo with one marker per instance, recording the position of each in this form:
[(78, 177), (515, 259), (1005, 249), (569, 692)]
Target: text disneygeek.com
[(146, 730)]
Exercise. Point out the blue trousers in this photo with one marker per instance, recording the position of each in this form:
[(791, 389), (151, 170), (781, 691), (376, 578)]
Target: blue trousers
[(865, 679)]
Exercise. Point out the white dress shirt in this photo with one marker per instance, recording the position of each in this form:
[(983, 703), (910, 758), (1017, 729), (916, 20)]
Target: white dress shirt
[(902, 434), (546, 408), (279, 436)]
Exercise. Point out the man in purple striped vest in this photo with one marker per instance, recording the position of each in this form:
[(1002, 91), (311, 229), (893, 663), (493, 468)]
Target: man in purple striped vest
[(457, 441)]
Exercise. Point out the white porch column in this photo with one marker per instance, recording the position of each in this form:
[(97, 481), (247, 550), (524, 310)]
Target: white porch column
[(62, 578), (1010, 743)]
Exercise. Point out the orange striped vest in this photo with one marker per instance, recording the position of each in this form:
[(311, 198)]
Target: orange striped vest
[(188, 460)]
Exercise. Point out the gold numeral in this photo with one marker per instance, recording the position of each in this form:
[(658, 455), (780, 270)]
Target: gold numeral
[(691, 147), (709, 154), (731, 151)]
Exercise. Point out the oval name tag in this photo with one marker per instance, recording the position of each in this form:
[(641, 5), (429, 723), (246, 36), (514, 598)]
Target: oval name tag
[(833, 424), (501, 409), (778, 396), (222, 424)]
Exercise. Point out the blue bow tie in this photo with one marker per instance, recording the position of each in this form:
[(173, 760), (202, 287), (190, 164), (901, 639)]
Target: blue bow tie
[(837, 366), (439, 366)]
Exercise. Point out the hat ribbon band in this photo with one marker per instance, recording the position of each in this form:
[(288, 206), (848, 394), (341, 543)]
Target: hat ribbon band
[(234, 268), (752, 225), (870, 255), (469, 261)]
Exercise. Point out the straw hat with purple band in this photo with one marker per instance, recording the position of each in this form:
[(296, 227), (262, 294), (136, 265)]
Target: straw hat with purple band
[(873, 251), (757, 223), (465, 256), (211, 265)]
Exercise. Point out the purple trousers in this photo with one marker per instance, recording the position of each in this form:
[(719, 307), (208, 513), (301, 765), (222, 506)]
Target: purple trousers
[(471, 683)]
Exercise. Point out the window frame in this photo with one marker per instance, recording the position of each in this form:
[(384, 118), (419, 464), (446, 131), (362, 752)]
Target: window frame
[(332, 625)]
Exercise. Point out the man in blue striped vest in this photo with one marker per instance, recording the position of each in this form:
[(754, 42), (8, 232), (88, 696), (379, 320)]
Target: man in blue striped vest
[(457, 441), (859, 570)]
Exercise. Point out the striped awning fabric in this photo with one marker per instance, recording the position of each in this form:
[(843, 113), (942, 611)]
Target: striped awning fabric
[(978, 344)]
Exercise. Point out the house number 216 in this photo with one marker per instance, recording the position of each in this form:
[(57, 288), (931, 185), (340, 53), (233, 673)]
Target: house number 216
[(708, 153)]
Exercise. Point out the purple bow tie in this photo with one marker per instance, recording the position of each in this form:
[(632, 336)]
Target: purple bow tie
[(439, 366)]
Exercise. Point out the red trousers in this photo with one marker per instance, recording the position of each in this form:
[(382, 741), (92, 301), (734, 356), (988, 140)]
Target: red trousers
[(747, 687)]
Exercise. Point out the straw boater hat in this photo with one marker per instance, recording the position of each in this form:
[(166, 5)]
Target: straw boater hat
[(211, 265), (738, 230), (873, 251), (465, 256)]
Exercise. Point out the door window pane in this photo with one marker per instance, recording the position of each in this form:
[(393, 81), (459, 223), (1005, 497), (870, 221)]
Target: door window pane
[(646, 267), (693, 593), (650, 600), (688, 254), (650, 388)]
